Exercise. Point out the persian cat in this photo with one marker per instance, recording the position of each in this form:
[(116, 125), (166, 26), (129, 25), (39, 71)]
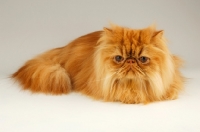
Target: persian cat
[(115, 64)]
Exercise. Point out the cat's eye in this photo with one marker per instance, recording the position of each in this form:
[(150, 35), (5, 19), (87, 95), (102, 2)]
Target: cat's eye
[(118, 58), (144, 59)]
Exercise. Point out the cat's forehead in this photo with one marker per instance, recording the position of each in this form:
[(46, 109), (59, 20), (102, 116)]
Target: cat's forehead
[(134, 37), (132, 40)]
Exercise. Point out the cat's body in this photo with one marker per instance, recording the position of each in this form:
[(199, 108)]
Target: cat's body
[(117, 64)]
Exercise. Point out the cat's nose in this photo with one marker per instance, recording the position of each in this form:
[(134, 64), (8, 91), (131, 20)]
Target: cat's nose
[(130, 61)]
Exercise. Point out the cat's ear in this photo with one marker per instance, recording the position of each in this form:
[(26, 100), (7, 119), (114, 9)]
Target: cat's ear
[(158, 34), (155, 34), (108, 31)]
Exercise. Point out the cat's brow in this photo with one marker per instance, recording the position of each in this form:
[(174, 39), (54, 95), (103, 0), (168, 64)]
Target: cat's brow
[(140, 51), (129, 49)]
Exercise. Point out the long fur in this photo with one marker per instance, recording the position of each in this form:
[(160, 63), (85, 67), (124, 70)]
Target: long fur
[(87, 65)]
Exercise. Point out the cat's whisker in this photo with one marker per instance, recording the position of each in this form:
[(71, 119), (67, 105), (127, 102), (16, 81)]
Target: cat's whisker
[(140, 70)]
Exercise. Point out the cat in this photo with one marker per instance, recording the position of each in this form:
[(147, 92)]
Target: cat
[(115, 64)]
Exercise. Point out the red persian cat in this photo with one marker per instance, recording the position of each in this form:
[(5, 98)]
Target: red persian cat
[(115, 64)]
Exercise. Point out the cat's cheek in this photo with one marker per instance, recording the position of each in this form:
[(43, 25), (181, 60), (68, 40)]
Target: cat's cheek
[(113, 65)]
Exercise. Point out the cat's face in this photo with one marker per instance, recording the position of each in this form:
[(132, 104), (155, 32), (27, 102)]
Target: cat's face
[(132, 54), (133, 58)]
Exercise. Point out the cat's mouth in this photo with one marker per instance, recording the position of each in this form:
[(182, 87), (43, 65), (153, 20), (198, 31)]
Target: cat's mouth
[(131, 72)]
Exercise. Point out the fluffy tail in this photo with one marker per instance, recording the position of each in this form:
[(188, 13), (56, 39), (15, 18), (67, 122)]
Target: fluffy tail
[(43, 75)]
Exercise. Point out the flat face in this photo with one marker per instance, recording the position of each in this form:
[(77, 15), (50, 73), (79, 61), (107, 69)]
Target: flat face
[(132, 53)]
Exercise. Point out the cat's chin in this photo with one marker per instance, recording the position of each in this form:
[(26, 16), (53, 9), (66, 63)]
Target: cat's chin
[(132, 75)]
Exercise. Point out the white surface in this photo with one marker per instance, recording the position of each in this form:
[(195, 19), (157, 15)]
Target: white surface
[(21, 111), (30, 27)]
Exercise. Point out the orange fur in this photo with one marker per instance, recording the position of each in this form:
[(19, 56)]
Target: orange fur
[(108, 65)]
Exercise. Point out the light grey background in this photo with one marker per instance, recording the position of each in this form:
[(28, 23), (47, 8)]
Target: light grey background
[(30, 27)]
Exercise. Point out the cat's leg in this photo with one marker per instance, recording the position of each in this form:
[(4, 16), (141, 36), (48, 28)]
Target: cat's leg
[(175, 87), (39, 75), (127, 96)]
